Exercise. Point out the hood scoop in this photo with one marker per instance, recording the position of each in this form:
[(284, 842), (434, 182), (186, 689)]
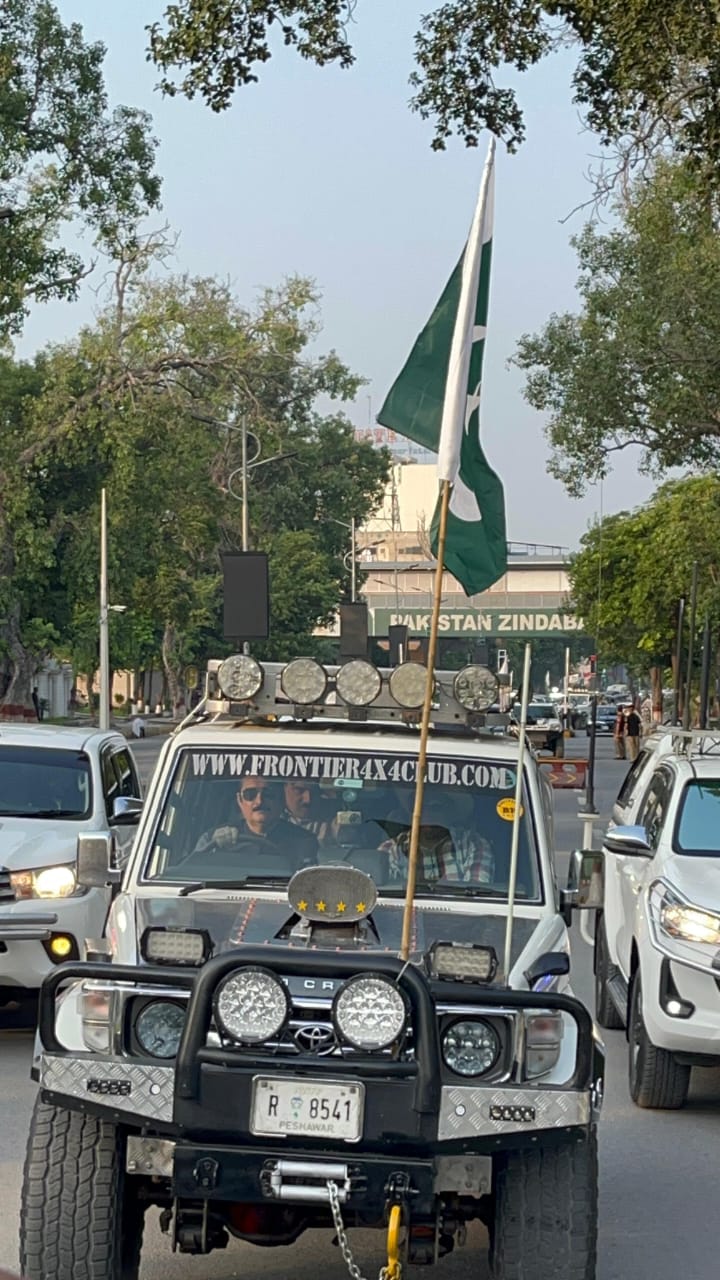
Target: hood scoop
[(333, 907)]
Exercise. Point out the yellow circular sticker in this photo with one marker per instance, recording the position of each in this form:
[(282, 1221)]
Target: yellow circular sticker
[(506, 809)]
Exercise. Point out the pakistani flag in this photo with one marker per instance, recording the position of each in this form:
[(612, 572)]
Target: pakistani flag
[(436, 402)]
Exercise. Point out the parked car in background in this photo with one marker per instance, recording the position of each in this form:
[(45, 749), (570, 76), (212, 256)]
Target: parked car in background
[(544, 727), (56, 783), (604, 720)]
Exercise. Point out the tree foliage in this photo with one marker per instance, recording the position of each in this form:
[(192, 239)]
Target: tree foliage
[(633, 568), (146, 402), (646, 72), (65, 156), (637, 366)]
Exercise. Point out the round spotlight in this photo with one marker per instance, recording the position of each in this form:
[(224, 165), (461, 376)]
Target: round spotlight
[(475, 688), (407, 684), (358, 683), (240, 677), (370, 1012), (470, 1048), (303, 680), (159, 1028), (252, 1005)]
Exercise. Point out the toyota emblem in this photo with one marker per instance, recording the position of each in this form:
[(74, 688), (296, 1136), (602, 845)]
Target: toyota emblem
[(318, 1038)]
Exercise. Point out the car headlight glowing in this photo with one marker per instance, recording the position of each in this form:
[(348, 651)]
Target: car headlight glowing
[(159, 1028), (370, 1012), (358, 683), (252, 1005), (680, 920), (240, 677), (470, 1048), (46, 882), (304, 681)]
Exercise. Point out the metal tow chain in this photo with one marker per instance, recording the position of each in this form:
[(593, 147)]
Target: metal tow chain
[(391, 1272)]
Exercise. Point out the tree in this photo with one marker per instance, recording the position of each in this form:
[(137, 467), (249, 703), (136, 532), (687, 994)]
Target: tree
[(145, 402), (646, 74), (65, 157), (638, 365), (633, 568)]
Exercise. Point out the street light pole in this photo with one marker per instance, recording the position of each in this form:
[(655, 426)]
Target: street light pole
[(104, 707), (245, 520), (353, 562)]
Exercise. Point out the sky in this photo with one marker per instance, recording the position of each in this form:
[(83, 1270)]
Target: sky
[(328, 174)]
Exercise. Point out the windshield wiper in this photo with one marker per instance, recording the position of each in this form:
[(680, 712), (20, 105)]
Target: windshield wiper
[(243, 882), (39, 813)]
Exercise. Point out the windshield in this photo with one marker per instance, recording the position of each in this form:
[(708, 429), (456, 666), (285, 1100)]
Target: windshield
[(698, 824), (39, 783), (259, 816), (540, 710)]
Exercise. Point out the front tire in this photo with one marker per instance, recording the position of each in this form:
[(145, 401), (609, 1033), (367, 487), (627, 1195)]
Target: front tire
[(605, 1011), (80, 1216), (656, 1079), (546, 1212)]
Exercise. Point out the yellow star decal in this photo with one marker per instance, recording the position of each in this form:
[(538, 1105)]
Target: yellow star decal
[(302, 906), (320, 906), (341, 906), (360, 906)]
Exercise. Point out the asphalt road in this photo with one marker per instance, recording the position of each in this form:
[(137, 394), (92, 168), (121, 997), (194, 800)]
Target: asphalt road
[(658, 1174)]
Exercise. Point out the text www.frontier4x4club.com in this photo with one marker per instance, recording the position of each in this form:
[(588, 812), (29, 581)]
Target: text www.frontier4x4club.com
[(448, 772)]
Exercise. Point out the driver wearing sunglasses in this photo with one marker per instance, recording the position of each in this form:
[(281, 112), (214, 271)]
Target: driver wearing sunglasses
[(261, 803)]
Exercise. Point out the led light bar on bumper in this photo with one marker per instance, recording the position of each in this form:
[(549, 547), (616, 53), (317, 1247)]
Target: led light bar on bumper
[(462, 962), (370, 1012), (162, 945), (251, 1006)]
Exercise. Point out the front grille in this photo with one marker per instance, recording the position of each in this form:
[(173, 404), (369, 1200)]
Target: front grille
[(7, 894)]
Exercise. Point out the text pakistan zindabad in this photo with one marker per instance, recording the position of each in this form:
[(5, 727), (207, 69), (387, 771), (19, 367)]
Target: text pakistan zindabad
[(334, 767)]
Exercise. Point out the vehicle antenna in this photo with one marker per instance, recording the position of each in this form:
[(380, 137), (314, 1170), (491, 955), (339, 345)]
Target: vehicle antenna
[(515, 841)]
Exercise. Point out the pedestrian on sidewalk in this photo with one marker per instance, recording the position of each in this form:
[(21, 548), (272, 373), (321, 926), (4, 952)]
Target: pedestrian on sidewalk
[(632, 733), (619, 734)]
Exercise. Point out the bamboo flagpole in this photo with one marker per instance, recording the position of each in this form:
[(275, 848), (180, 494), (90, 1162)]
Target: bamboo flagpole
[(425, 728), (470, 517)]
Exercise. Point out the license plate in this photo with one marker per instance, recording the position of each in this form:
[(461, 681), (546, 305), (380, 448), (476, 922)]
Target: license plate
[(307, 1108)]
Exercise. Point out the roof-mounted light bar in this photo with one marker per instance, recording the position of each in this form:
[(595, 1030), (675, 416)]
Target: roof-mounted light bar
[(304, 689)]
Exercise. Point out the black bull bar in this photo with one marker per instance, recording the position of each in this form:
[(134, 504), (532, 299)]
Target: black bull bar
[(426, 1070)]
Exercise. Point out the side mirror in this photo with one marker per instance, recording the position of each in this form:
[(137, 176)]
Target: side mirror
[(126, 811), (630, 841), (586, 883), (94, 861), (549, 964)]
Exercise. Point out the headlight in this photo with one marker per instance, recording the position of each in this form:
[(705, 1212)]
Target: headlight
[(159, 1028), (47, 882), (678, 919), (358, 683), (475, 688), (252, 1005), (240, 677), (304, 681), (470, 1048), (407, 684), (370, 1012)]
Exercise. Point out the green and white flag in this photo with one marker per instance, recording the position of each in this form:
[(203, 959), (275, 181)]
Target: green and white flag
[(436, 402)]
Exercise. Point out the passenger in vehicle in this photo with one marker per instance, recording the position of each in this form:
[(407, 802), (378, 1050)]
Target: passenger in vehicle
[(450, 853), (260, 804), (305, 808)]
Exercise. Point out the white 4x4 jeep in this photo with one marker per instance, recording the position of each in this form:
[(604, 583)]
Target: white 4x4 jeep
[(657, 943), (248, 1051)]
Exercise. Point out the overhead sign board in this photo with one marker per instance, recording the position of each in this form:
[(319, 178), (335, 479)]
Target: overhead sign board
[(485, 622)]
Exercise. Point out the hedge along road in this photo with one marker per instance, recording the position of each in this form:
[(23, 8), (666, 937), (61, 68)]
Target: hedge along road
[(658, 1202)]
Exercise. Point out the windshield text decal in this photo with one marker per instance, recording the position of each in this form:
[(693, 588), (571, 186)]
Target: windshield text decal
[(315, 767)]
